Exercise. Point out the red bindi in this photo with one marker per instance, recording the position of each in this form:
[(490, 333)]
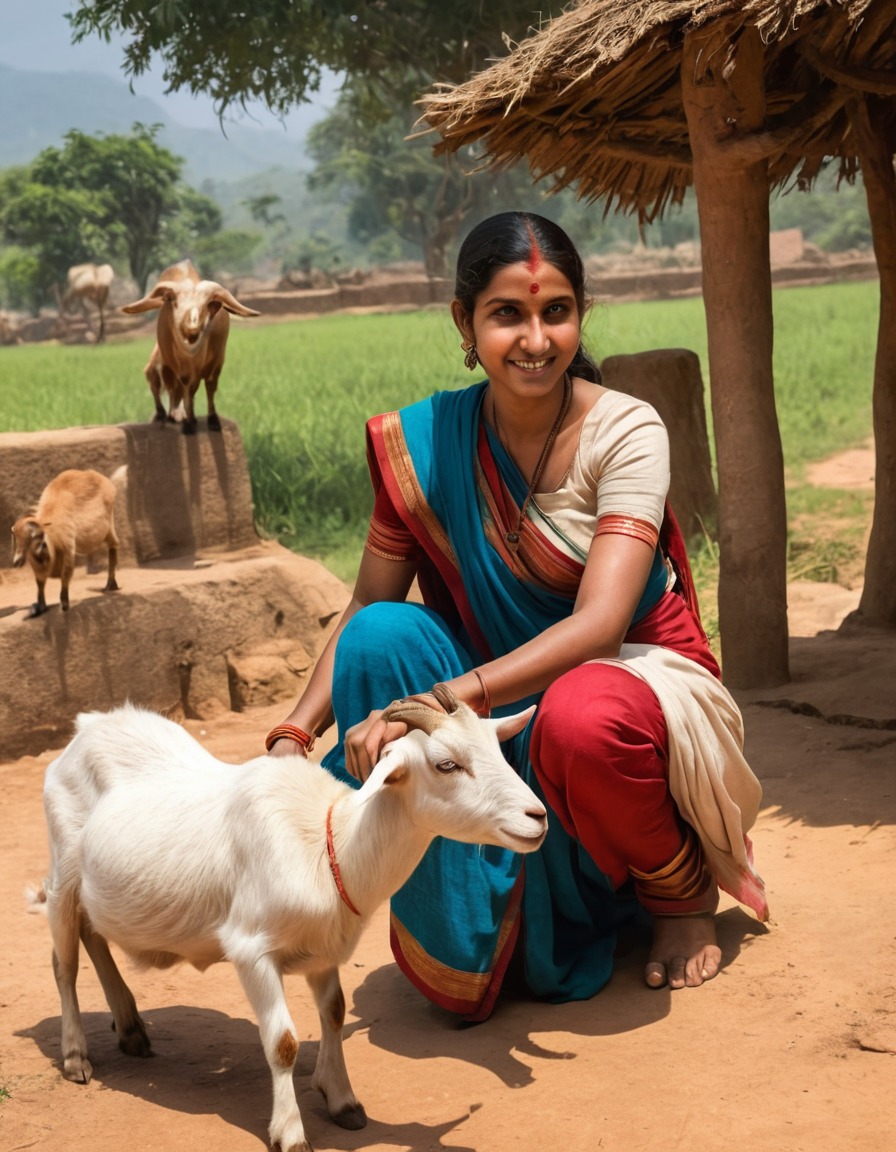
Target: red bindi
[(534, 287)]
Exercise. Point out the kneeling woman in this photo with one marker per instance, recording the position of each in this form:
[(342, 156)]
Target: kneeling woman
[(531, 510)]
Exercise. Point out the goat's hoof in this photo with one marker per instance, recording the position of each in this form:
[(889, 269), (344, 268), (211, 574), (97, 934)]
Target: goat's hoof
[(112, 586), (290, 1141), (36, 610), (161, 418), (352, 1116), (135, 1042), (214, 423), (78, 1069), (189, 427)]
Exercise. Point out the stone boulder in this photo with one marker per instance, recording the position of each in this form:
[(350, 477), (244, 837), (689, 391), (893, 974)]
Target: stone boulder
[(208, 619)]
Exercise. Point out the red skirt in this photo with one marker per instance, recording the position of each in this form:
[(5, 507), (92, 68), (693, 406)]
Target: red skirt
[(600, 750)]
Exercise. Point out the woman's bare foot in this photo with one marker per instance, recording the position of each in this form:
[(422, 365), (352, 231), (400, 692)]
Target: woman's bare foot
[(684, 951)]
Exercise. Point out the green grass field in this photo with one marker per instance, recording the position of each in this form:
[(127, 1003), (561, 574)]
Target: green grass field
[(301, 392)]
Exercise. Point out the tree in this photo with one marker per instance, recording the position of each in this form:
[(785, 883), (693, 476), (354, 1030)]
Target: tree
[(365, 153), (277, 50), (20, 280), (99, 198), (229, 251), (260, 209), (58, 226), (392, 185), (389, 50), (135, 183)]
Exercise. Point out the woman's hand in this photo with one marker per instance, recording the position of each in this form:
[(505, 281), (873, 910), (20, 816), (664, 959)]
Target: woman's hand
[(364, 742), (286, 747)]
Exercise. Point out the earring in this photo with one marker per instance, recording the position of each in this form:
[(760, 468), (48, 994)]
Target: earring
[(471, 359)]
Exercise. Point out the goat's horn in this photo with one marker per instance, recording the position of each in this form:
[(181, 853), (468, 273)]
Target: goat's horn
[(214, 291), (415, 714), (445, 697)]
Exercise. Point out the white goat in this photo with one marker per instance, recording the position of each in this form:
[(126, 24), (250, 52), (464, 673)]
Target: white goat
[(75, 515), (273, 865), (89, 282), (191, 340)]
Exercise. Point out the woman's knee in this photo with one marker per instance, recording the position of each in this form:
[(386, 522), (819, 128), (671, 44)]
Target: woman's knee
[(377, 626), (396, 648), (599, 719)]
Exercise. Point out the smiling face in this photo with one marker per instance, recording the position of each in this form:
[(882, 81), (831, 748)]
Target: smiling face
[(526, 327)]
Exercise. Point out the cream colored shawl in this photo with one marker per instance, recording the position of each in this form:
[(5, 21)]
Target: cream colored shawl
[(709, 779)]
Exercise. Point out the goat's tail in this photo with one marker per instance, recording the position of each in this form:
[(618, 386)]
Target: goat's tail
[(36, 898)]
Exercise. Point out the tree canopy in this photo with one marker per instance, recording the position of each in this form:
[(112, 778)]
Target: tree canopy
[(395, 187), (101, 199), (394, 195), (276, 51)]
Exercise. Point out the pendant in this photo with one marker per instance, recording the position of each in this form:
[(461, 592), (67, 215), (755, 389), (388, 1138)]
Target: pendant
[(512, 538)]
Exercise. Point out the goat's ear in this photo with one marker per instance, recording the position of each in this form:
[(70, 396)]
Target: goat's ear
[(163, 293), (507, 726), (391, 770)]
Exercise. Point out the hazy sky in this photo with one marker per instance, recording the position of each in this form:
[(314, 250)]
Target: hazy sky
[(36, 37)]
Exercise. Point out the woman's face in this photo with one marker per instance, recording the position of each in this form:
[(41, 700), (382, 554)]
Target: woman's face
[(526, 327)]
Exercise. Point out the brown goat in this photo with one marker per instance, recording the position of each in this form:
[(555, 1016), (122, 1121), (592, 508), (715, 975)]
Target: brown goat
[(89, 282), (191, 340), (74, 515)]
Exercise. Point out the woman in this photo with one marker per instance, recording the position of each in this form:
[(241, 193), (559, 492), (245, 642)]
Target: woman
[(530, 508)]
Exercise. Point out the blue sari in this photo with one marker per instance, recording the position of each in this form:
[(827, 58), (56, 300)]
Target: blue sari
[(457, 921)]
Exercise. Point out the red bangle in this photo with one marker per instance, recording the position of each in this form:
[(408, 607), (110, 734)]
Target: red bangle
[(485, 708), (289, 732)]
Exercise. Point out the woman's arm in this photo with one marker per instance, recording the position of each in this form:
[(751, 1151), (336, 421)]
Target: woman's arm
[(378, 579), (615, 576), (612, 584)]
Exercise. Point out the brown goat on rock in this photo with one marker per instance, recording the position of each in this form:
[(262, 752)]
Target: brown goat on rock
[(191, 340), (75, 515)]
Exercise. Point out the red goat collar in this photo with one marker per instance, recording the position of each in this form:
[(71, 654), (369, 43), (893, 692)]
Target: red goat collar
[(334, 863)]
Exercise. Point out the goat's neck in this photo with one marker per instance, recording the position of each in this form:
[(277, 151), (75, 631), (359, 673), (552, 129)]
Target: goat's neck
[(377, 847)]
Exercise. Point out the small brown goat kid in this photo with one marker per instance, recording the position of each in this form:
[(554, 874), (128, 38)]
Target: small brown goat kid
[(191, 340), (74, 515)]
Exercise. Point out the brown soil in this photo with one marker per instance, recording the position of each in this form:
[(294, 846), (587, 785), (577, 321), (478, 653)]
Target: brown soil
[(790, 1049)]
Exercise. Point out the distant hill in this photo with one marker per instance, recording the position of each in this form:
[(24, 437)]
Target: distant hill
[(40, 107)]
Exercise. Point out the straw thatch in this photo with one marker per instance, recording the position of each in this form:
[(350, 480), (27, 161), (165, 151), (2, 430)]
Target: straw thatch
[(594, 100)]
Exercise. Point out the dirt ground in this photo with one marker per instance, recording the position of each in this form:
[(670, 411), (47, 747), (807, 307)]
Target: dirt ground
[(790, 1049)]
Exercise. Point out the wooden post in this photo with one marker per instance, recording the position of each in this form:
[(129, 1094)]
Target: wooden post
[(724, 100), (878, 603), (670, 380)]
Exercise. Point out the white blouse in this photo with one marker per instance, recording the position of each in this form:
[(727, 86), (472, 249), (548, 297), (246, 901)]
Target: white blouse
[(621, 467)]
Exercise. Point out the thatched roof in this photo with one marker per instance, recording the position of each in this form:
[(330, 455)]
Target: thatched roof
[(593, 99)]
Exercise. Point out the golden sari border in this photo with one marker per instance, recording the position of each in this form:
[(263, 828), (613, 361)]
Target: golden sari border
[(471, 993), (451, 986), (409, 486)]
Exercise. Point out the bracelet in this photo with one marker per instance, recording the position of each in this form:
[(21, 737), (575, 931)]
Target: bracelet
[(485, 708), (289, 732)]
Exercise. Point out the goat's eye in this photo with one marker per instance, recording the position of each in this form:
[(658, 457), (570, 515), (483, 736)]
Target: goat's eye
[(447, 766)]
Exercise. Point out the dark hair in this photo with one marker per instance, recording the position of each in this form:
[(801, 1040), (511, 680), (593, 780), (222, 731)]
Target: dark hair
[(514, 238)]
